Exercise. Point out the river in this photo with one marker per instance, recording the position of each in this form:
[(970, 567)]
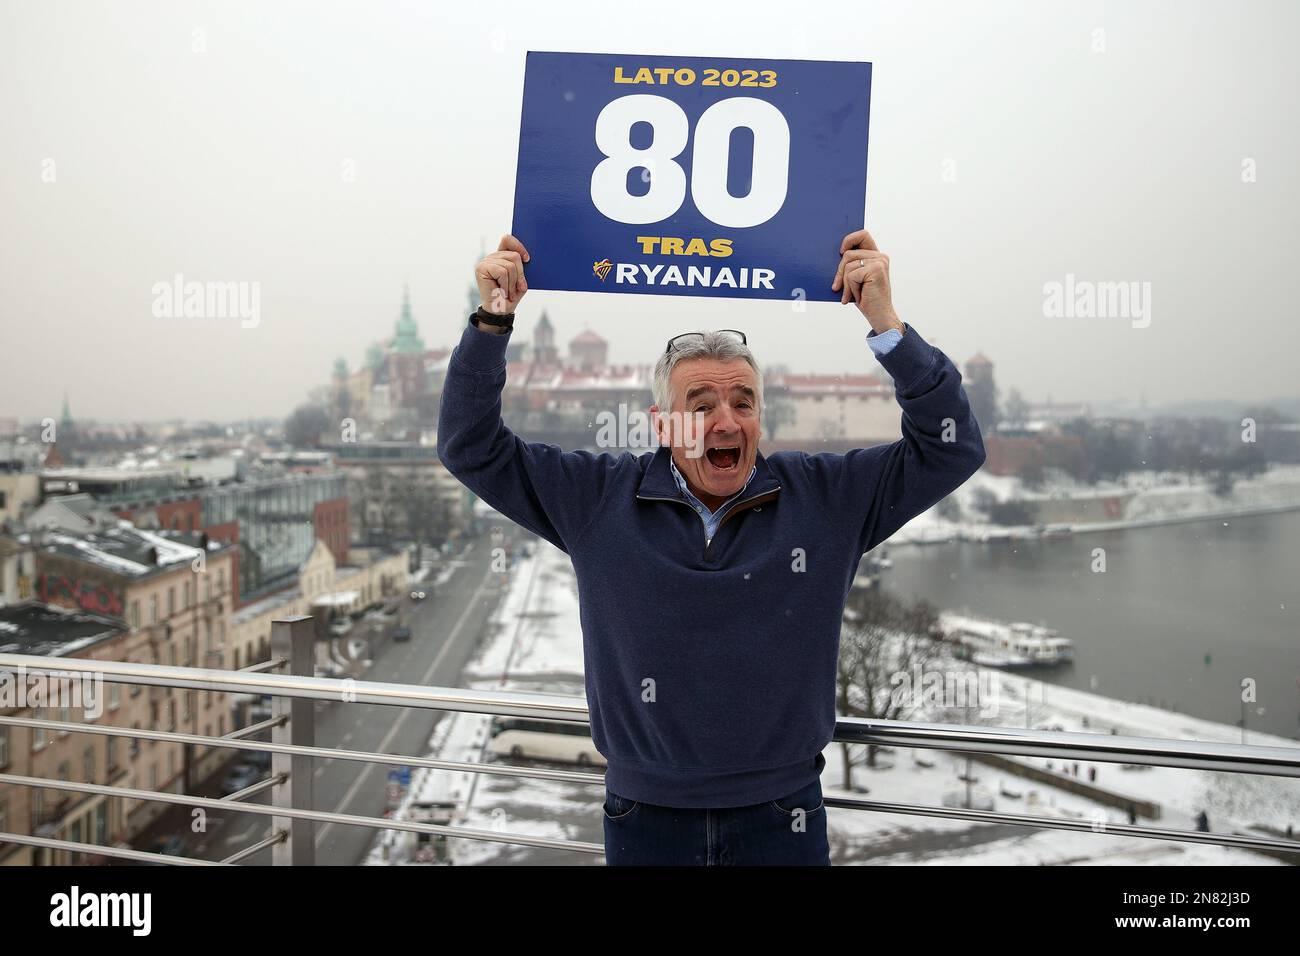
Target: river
[(1181, 616)]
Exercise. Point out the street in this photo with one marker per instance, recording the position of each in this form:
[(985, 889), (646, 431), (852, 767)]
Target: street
[(445, 629)]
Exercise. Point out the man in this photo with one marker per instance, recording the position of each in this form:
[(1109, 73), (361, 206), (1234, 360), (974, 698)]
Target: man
[(712, 579)]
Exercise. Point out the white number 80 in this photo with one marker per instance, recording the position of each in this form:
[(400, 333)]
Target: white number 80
[(708, 161)]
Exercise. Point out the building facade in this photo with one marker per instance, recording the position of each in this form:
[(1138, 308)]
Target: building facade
[(323, 587), (41, 631), (174, 593)]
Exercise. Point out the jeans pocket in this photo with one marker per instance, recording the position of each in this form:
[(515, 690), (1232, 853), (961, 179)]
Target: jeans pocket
[(618, 808), (807, 800)]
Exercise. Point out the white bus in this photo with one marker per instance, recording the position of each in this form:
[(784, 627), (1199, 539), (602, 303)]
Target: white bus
[(544, 740)]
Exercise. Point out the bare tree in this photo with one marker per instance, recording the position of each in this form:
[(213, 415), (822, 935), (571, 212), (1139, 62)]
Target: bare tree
[(887, 639), (1016, 410), (304, 427)]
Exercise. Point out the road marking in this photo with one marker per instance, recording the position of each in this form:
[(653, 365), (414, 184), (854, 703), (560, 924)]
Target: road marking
[(363, 777)]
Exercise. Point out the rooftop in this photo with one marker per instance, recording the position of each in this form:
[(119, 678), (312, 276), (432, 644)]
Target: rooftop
[(82, 508), (110, 475), (130, 551), (830, 384), (47, 631)]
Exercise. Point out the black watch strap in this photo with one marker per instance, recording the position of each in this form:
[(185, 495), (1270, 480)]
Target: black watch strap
[(484, 317)]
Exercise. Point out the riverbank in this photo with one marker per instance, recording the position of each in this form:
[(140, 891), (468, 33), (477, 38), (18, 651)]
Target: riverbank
[(1147, 500)]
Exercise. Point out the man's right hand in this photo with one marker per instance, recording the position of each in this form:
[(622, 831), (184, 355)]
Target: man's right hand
[(500, 277)]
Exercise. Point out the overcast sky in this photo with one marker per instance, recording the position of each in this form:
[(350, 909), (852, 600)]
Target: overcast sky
[(224, 163)]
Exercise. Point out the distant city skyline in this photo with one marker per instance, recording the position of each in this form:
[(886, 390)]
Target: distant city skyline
[(324, 157)]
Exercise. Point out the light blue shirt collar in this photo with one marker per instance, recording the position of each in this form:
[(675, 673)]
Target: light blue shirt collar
[(711, 519)]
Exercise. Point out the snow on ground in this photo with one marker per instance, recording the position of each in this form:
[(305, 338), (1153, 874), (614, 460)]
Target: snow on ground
[(556, 810), (1233, 801), (1159, 497), (535, 644), (870, 838), (537, 635)]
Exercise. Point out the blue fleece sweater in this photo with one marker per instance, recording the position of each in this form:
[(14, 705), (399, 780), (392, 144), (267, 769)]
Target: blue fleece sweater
[(710, 667)]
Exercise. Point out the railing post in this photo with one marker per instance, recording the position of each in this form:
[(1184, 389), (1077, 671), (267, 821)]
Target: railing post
[(294, 639)]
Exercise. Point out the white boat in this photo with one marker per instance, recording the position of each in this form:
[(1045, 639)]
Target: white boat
[(996, 644)]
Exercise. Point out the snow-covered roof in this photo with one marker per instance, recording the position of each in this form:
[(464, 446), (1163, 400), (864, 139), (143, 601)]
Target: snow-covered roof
[(46, 630), (797, 385), (130, 551)]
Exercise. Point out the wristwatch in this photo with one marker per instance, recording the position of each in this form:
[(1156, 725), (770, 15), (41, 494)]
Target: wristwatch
[(483, 317)]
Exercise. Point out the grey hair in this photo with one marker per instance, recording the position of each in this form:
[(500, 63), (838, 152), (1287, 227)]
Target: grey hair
[(713, 345)]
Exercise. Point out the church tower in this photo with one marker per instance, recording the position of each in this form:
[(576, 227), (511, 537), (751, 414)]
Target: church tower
[(544, 350), (407, 340)]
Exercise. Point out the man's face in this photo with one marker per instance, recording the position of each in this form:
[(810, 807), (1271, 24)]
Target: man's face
[(714, 426)]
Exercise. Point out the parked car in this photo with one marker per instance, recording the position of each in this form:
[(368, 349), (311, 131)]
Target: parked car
[(402, 633)]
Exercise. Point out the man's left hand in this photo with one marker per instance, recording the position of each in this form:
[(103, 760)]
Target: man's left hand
[(863, 277)]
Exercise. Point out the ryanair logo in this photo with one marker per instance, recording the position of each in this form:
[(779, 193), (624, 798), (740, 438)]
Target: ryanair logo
[(713, 276)]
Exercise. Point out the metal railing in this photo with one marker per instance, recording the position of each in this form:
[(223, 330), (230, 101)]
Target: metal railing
[(293, 751)]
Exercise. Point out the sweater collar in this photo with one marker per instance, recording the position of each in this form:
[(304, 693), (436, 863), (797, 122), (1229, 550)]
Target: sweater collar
[(658, 480), (685, 489)]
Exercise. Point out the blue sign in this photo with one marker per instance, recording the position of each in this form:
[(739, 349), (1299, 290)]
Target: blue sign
[(712, 176)]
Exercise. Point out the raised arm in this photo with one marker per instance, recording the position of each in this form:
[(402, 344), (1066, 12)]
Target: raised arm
[(553, 493), (887, 485), (879, 489)]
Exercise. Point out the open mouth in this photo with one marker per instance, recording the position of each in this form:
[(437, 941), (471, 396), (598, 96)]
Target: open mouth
[(723, 459)]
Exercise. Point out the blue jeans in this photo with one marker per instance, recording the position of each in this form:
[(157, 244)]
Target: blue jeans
[(788, 831)]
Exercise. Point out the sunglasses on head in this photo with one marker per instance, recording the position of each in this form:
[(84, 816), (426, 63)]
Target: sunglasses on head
[(677, 341)]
